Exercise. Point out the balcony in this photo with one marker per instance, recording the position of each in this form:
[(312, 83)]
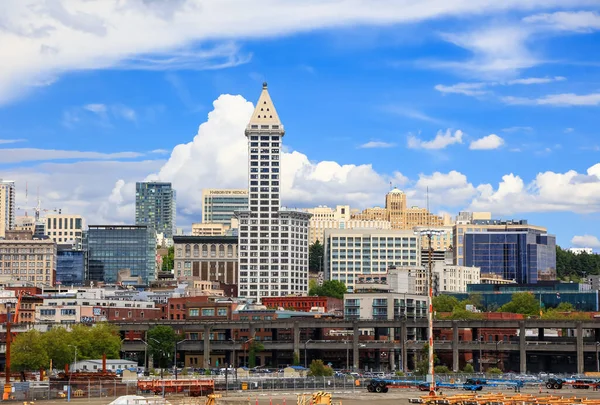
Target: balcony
[(380, 303)]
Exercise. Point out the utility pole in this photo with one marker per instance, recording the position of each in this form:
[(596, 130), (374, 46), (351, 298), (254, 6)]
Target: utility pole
[(7, 385)]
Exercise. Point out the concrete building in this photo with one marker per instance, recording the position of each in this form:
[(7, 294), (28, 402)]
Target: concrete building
[(202, 229), (219, 205), (7, 206), (353, 252), (111, 248), (65, 228), (526, 256), (384, 305), (273, 241), (111, 365), (155, 206), (23, 258), (206, 258), (491, 278), (25, 223), (451, 278), (304, 303), (579, 251)]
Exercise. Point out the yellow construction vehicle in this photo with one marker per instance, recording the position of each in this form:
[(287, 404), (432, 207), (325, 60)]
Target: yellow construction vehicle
[(211, 399), (317, 398)]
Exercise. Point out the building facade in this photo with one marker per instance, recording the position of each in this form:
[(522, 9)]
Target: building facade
[(65, 228), (70, 266), (207, 258), (273, 241), (384, 306), (216, 229), (451, 278), (525, 257), (304, 304), (28, 259), (155, 205), (219, 205), (111, 248), (7, 206), (353, 252)]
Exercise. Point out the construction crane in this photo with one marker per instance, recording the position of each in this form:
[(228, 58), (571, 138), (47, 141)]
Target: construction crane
[(38, 208)]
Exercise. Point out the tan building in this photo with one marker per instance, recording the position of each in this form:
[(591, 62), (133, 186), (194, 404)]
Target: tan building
[(26, 259), (491, 278), (65, 228), (206, 258), (219, 205), (7, 206), (25, 223), (201, 229)]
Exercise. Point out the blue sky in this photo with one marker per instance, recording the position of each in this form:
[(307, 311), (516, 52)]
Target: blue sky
[(492, 106)]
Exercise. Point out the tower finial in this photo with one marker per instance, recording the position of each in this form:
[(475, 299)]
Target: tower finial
[(264, 85)]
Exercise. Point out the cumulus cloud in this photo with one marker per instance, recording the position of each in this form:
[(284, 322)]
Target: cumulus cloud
[(491, 141), (588, 241), (377, 144), (578, 21), (17, 155), (441, 140)]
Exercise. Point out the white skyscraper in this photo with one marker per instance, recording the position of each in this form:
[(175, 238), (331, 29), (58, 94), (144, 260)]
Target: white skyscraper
[(273, 241), (7, 206)]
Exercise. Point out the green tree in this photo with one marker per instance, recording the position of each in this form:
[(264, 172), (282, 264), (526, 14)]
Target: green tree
[(161, 343), (168, 260), (106, 340), (315, 257), (459, 313), (296, 360), (494, 370), (442, 370), (468, 369), (522, 303), (255, 347), (58, 344), (565, 307), (318, 369), (28, 352), (444, 303), (330, 288)]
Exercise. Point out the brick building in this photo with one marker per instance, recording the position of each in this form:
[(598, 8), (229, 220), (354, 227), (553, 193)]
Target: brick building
[(304, 304)]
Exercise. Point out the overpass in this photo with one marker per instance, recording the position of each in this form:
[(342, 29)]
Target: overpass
[(402, 345)]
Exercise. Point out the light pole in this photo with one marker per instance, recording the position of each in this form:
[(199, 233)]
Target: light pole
[(245, 350), (175, 356), (480, 354), (162, 355), (233, 356), (71, 374), (347, 355), (305, 352), (597, 360), (498, 342)]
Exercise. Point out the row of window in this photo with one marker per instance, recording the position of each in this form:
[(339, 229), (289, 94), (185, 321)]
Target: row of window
[(26, 250), (207, 311)]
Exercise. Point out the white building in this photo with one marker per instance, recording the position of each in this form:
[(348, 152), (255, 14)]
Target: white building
[(579, 251), (273, 242), (451, 278), (7, 206), (65, 228), (352, 252), (384, 305), (111, 365)]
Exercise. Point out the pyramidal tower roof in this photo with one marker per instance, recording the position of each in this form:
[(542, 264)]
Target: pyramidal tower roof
[(265, 115)]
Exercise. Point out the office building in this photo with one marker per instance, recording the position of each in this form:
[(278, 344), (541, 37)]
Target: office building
[(65, 228), (524, 256), (451, 278), (111, 248), (273, 241), (219, 205), (7, 206), (155, 205), (206, 258), (215, 229), (23, 258), (353, 252), (70, 266)]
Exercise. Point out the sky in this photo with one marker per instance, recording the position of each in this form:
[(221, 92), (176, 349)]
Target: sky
[(490, 105)]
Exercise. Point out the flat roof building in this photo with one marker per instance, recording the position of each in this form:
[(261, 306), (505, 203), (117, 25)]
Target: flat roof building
[(155, 205), (219, 205)]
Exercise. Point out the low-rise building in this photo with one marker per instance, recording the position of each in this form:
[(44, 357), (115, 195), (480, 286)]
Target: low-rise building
[(111, 365), (207, 258), (216, 229), (65, 228), (304, 303), (25, 259), (579, 251), (451, 278)]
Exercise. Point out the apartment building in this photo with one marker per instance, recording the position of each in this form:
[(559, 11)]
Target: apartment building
[(220, 205), (451, 278), (7, 206), (353, 252), (155, 206), (23, 258), (65, 228)]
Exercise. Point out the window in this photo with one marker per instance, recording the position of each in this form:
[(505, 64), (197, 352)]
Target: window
[(194, 312), (222, 311), (208, 312)]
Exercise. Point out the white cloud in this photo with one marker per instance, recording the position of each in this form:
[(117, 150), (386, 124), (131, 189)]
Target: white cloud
[(441, 140), (578, 21), (535, 80), (568, 130), (42, 40), (96, 108), (124, 112), (9, 141), (481, 88), (558, 100), (32, 154), (491, 141), (377, 144), (588, 241), (468, 89), (411, 113), (517, 129)]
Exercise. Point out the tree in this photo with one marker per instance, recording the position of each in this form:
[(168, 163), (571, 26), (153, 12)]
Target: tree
[(494, 370), (565, 307), (522, 303), (161, 343), (169, 259), (255, 347), (315, 257), (442, 370), (330, 288), (28, 352), (318, 369), (444, 303), (296, 360), (468, 369), (106, 341), (459, 313), (58, 344)]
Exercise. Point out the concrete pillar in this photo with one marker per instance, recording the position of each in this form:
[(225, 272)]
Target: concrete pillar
[(455, 353), (522, 348), (296, 340), (540, 334), (403, 354), (252, 331), (580, 357), (355, 352), (597, 334), (392, 356), (206, 346)]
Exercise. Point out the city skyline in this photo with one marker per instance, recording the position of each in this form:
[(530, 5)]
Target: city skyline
[(491, 107)]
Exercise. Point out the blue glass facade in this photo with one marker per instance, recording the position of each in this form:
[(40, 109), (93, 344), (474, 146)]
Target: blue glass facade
[(111, 248), (525, 257), (155, 205), (70, 267)]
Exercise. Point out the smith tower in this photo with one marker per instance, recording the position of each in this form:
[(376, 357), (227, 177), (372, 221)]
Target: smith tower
[(273, 241)]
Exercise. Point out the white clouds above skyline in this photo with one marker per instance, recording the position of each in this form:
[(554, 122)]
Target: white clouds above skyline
[(377, 145), (491, 141), (586, 241), (441, 140), (556, 100)]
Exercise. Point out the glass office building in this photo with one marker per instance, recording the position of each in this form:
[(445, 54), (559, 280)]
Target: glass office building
[(155, 205), (70, 266), (524, 256), (220, 205), (111, 248)]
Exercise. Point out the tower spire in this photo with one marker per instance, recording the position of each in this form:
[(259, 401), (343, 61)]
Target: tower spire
[(264, 113)]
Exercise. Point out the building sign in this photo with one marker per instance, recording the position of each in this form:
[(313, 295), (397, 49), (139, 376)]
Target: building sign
[(227, 192), (97, 311)]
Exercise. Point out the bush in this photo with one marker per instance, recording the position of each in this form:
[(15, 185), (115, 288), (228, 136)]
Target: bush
[(441, 370), (468, 369), (319, 369), (494, 370), (399, 374)]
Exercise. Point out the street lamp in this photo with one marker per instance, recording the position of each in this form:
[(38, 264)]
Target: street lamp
[(175, 356), (162, 355), (305, 351), (498, 342), (597, 360), (245, 350), (347, 355), (233, 356), (71, 373), (480, 354)]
